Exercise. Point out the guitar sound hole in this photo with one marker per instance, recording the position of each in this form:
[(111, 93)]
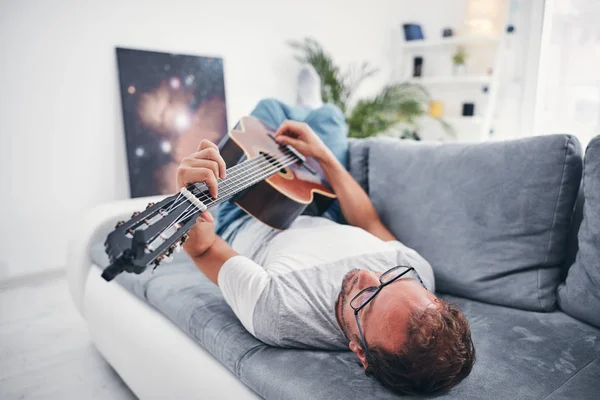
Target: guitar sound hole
[(275, 162)]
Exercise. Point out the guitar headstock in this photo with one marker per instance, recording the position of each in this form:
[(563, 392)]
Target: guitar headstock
[(150, 236)]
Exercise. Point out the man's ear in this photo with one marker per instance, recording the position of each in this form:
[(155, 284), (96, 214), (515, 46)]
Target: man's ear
[(359, 351)]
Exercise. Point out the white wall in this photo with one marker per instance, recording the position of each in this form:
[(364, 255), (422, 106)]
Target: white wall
[(60, 121)]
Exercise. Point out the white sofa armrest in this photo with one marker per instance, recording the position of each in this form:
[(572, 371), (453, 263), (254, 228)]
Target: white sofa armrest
[(92, 228)]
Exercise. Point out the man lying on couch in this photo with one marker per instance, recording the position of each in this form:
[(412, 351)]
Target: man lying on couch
[(325, 285)]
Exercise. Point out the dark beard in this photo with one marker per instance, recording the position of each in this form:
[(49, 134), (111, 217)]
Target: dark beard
[(348, 282)]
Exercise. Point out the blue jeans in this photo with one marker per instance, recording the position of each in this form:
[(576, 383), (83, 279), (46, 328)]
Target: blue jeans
[(328, 122)]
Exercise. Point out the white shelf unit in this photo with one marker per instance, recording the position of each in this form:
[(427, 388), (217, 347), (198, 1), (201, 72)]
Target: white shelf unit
[(483, 121)]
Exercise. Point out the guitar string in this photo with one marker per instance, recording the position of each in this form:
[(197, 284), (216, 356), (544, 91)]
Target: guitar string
[(259, 171), (248, 180), (230, 194), (248, 175), (226, 189), (259, 175), (257, 164), (232, 173), (261, 160), (233, 181), (256, 177), (229, 184)]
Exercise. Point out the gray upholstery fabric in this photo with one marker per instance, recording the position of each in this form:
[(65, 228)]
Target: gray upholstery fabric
[(358, 162), (573, 245), (491, 218), (579, 296), (522, 233), (521, 354)]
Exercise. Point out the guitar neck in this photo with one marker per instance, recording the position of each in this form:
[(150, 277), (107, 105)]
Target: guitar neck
[(152, 235), (238, 178)]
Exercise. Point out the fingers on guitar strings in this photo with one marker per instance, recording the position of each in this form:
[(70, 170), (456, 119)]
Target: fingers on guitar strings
[(213, 154)]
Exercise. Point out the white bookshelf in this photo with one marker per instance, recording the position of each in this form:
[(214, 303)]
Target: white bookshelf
[(494, 46)]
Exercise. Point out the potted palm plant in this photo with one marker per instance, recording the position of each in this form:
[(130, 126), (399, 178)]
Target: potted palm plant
[(396, 110)]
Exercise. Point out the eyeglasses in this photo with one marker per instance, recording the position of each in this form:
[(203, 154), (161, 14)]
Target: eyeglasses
[(363, 297)]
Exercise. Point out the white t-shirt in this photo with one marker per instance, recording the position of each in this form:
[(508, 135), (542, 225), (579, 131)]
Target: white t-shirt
[(284, 285)]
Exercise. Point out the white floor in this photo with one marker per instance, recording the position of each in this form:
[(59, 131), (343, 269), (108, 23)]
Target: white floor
[(45, 350)]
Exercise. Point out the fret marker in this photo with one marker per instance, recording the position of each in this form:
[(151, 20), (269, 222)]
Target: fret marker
[(193, 199)]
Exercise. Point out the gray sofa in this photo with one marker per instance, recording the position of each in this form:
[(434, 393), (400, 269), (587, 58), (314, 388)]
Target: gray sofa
[(512, 240)]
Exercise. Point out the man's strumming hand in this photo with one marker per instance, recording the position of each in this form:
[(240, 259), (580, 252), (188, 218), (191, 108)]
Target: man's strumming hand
[(355, 203), (300, 136)]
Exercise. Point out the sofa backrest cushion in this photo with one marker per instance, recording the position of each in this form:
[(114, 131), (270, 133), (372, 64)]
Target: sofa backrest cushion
[(492, 218), (579, 295)]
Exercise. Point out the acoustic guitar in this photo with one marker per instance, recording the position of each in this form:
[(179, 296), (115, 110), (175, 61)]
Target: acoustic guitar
[(269, 181)]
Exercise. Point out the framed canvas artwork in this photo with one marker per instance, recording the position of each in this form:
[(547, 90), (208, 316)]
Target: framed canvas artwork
[(170, 103)]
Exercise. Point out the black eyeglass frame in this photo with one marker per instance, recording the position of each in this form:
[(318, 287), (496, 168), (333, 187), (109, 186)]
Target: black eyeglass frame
[(375, 292)]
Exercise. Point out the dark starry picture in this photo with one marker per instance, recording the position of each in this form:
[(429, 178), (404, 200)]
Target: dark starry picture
[(170, 103)]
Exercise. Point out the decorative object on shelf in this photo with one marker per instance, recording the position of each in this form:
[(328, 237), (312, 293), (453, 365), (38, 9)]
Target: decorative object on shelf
[(412, 32), (468, 109), (510, 28), (417, 66), (459, 60), (447, 32), (170, 102), (436, 108), (484, 17), (395, 108)]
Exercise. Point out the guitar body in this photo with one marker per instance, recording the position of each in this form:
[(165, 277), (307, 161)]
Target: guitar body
[(279, 199)]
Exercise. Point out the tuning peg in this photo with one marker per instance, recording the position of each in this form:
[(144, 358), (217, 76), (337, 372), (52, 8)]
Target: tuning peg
[(150, 205), (135, 214), (168, 259), (184, 238), (119, 224), (178, 248)]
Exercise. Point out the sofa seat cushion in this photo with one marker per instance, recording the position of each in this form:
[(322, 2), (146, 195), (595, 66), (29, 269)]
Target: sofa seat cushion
[(521, 354), (492, 218), (579, 296)]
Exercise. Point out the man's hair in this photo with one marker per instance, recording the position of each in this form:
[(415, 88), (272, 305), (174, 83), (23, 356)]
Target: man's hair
[(438, 353)]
